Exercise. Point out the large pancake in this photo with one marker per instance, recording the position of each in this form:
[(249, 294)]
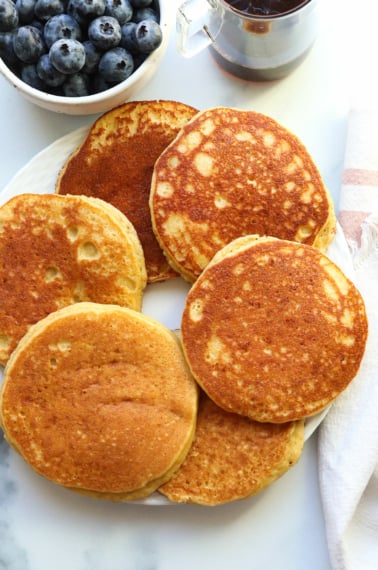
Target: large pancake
[(99, 399), (233, 457), (273, 329), (57, 250), (115, 163), (231, 173)]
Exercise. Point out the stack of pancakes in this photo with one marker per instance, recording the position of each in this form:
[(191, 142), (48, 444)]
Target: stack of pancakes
[(273, 332), (108, 402), (96, 396), (58, 250)]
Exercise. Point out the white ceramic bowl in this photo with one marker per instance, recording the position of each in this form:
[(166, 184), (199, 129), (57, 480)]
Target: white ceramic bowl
[(100, 102)]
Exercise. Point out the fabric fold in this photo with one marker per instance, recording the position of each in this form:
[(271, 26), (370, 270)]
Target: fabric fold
[(348, 437)]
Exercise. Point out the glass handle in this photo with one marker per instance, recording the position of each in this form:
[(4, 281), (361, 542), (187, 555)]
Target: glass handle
[(197, 23)]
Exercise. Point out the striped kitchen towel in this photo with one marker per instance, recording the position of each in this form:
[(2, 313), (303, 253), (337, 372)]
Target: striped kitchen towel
[(348, 437)]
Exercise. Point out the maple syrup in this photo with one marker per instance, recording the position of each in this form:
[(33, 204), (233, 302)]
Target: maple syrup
[(266, 8), (263, 40)]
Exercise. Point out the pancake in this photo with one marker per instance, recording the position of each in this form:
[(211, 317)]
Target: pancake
[(233, 457), (231, 173), (57, 250), (99, 399), (115, 163), (273, 330)]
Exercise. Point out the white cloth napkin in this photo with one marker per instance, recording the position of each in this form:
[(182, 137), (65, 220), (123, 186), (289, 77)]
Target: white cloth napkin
[(348, 437)]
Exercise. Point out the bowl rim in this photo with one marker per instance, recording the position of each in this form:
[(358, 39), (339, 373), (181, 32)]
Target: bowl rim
[(96, 98)]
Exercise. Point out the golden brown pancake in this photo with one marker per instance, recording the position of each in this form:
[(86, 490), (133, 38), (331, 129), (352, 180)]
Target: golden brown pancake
[(233, 457), (115, 163), (99, 399), (231, 173), (273, 330), (57, 250)]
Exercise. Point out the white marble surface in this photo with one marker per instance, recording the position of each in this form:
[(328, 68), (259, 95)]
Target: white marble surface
[(43, 527)]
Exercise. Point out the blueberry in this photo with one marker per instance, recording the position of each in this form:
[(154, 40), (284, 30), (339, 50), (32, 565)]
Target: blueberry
[(30, 76), (121, 10), (38, 24), (61, 26), (85, 10), (104, 32), (139, 58), (116, 65), (67, 55), (48, 73), (128, 40), (25, 10), (92, 57), (76, 85), (8, 16), (7, 50), (98, 84), (148, 36), (45, 9), (71, 10), (141, 3), (145, 14), (28, 44)]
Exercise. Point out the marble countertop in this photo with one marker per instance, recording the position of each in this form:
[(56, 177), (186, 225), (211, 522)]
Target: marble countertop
[(44, 527)]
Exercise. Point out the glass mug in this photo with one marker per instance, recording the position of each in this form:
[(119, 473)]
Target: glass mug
[(254, 40)]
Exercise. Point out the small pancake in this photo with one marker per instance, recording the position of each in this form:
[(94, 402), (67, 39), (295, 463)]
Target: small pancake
[(57, 250), (115, 163), (99, 399), (273, 330), (233, 457), (231, 173)]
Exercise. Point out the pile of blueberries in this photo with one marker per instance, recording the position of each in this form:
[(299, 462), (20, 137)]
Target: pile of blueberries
[(77, 47)]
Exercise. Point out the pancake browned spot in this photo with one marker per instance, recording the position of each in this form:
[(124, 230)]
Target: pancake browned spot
[(233, 457), (273, 329), (230, 173), (99, 399), (57, 250), (116, 161)]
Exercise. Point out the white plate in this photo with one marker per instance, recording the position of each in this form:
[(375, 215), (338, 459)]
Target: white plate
[(162, 301)]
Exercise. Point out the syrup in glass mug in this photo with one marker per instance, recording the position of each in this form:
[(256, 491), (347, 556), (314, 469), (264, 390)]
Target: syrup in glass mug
[(251, 39), (266, 7)]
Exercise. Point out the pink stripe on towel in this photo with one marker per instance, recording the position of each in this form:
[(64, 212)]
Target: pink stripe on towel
[(360, 177), (351, 223)]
